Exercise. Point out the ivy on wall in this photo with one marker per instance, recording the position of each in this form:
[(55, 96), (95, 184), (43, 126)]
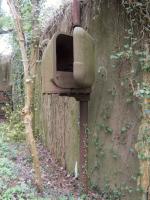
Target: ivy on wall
[(136, 50)]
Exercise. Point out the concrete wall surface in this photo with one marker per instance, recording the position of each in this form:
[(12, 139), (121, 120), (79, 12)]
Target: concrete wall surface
[(114, 113)]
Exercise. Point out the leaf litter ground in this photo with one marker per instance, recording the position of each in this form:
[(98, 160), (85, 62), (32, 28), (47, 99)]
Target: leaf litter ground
[(17, 176)]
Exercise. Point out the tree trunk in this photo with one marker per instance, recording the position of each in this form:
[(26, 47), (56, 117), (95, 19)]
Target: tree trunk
[(29, 73)]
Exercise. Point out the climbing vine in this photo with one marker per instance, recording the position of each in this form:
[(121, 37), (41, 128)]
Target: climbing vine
[(135, 54), (139, 14)]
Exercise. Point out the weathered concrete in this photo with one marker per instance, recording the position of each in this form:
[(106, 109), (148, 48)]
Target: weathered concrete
[(113, 120), (5, 83), (5, 70)]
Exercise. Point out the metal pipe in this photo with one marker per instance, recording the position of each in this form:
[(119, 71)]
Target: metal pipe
[(83, 114), (76, 13), (84, 145)]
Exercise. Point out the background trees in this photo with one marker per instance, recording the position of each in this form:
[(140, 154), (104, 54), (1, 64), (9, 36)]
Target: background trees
[(28, 44)]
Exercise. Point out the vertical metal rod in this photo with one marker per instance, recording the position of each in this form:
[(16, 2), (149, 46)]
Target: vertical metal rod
[(76, 13), (84, 145)]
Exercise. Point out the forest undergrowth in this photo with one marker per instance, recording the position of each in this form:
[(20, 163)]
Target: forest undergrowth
[(16, 173)]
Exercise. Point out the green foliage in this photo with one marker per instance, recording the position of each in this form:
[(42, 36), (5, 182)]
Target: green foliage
[(11, 186), (144, 60), (5, 22), (139, 13), (136, 58), (20, 192), (143, 143), (9, 173), (124, 54), (108, 192), (17, 76), (70, 197), (115, 154), (133, 53), (112, 194), (97, 143), (144, 91), (17, 65), (6, 167), (14, 128), (105, 128), (123, 130), (25, 7), (94, 186), (108, 130)]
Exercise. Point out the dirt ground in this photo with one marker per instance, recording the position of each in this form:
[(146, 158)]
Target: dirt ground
[(17, 176)]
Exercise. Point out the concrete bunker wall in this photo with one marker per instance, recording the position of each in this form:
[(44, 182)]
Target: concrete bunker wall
[(113, 120), (5, 83), (5, 70)]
